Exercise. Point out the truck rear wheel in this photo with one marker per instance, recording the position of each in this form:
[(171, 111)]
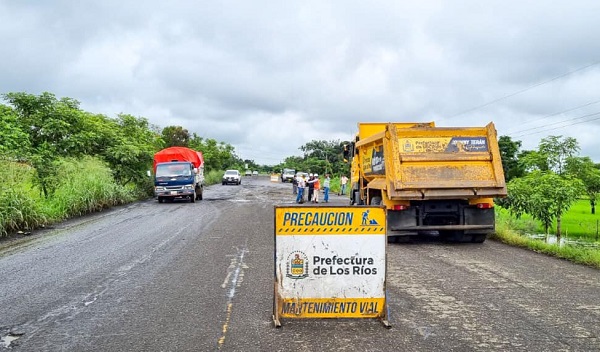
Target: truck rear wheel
[(478, 238), (376, 200), (462, 237), (455, 236), (355, 200)]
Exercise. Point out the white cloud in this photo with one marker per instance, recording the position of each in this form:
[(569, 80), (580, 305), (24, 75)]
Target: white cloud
[(269, 77)]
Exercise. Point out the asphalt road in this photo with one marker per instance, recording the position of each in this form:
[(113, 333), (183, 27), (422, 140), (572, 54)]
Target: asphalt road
[(199, 277)]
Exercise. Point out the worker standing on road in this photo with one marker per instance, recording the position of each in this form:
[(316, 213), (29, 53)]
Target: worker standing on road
[(311, 187), (343, 182), (316, 185), (295, 184), (326, 188), (301, 185)]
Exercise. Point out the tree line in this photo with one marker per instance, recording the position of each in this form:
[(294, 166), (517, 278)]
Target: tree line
[(321, 157), (41, 129)]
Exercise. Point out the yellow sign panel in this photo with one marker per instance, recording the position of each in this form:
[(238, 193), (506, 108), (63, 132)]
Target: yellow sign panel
[(332, 308), (330, 262), (329, 220)]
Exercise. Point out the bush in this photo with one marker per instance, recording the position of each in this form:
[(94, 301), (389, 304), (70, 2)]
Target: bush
[(85, 186), (213, 177), (82, 186), (19, 212)]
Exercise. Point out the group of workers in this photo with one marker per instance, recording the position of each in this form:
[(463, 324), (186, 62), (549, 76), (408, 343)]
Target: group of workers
[(313, 184)]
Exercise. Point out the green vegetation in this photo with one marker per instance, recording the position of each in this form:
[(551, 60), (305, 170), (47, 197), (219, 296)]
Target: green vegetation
[(553, 178), (58, 161), (319, 157), (506, 234), (82, 186), (85, 186), (213, 177), (578, 222), (545, 191)]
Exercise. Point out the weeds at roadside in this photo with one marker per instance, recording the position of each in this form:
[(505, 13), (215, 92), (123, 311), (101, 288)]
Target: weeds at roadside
[(587, 256), (85, 185)]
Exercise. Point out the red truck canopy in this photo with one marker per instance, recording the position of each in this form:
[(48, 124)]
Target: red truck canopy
[(179, 154)]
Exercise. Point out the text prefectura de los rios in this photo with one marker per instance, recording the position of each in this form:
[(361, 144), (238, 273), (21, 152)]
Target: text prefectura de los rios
[(343, 265)]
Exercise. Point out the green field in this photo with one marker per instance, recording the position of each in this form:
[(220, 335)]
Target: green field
[(577, 223)]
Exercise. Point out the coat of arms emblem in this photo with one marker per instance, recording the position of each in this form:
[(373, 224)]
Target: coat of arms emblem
[(297, 265)]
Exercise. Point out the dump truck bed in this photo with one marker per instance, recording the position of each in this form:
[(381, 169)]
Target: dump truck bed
[(442, 161), (424, 162)]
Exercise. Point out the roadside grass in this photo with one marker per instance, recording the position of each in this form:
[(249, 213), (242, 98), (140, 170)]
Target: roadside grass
[(213, 177), (577, 223), (587, 256), (509, 230), (83, 186), (334, 185), (86, 186), (18, 208)]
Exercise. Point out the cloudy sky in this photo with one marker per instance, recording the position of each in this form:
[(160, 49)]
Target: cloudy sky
[(270, 76)]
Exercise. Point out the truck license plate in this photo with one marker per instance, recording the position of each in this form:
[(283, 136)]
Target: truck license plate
[(173, 192)]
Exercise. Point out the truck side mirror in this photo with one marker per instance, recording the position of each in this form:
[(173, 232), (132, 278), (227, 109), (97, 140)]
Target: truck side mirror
[(345, 153), (195, 170), (149, 173), (348, 151)]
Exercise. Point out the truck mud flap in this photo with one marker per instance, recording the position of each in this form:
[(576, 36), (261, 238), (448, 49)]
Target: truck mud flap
[(401, 220)]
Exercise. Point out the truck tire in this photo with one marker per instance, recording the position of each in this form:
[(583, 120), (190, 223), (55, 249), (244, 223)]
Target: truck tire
[(455, 236), (160, 199), (193, 197), (356, 198), (376, 200), (478, 238)]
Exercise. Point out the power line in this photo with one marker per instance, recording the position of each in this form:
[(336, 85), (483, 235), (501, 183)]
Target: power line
[(554, 114), (558, 113), (563, 126), (526, 89)]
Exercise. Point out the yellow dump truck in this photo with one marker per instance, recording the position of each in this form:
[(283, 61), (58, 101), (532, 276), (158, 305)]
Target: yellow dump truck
[(432, 180)]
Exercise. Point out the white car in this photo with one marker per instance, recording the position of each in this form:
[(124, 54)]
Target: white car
[(232, 176)]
